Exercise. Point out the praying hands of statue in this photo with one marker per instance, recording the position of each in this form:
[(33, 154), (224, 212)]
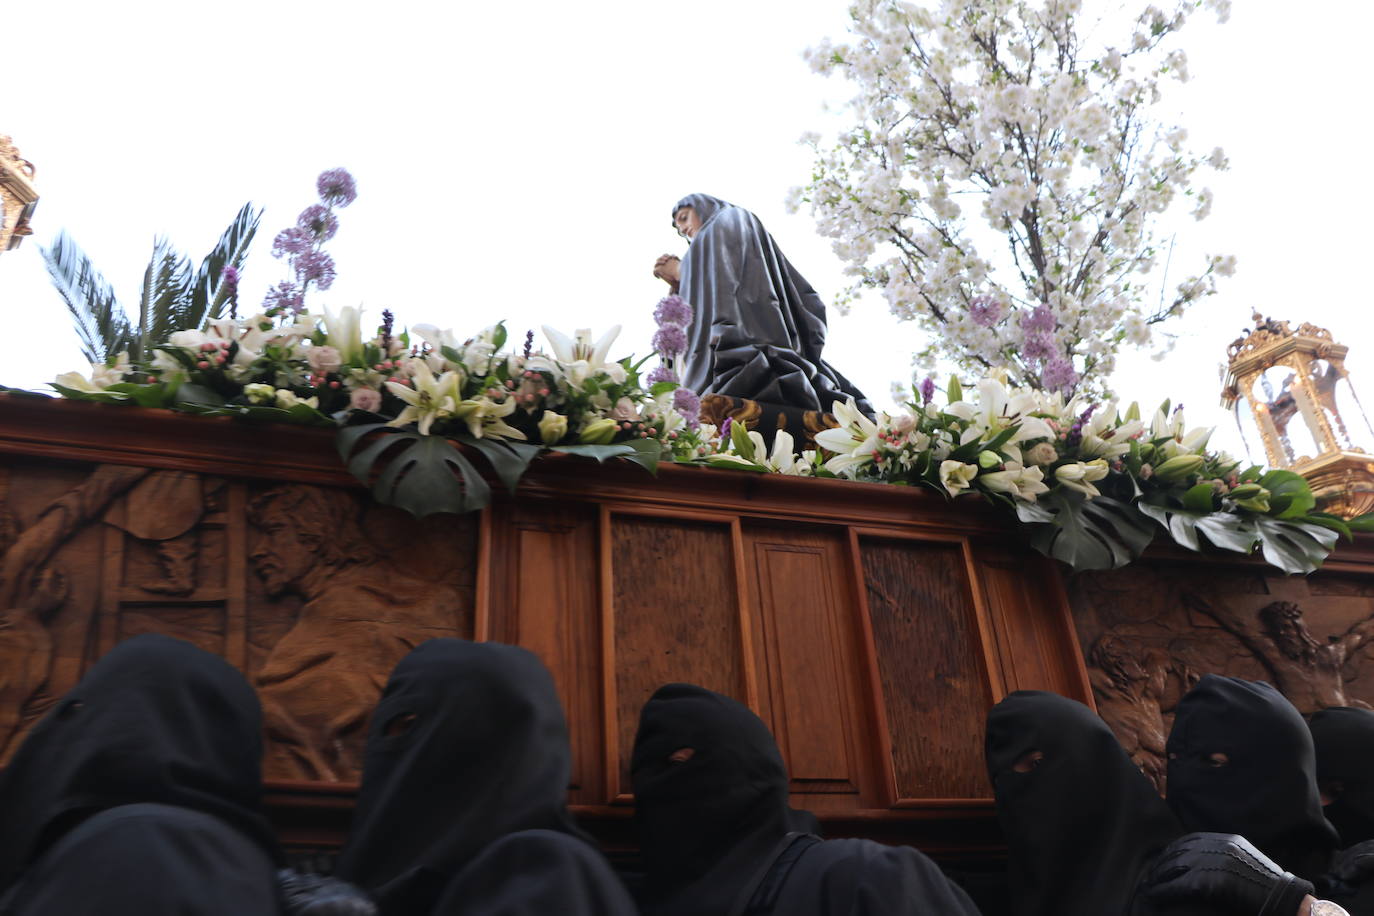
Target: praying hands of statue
[(668, 269)]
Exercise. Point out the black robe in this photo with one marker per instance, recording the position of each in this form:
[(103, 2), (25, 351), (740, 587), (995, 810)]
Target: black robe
[(1344, 743), (463, 805), (758, 327), (712, 828), (1267, 791), (1084, 825), (140, 791)]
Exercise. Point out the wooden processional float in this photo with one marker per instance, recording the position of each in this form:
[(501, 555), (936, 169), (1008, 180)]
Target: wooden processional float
[(870, 626)]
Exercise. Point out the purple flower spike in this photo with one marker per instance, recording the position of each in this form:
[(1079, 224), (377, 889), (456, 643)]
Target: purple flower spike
[(725, 428), (291, 242), (927, 389), (661, 374), (1059, 375), (314, 267), (284, 297), (985, 310), (229, 279), (670, 340), (686, 402), (337, 188), (673, 310), (319, 221)]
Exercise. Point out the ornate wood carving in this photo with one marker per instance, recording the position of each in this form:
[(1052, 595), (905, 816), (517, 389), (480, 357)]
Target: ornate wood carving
[(869, 626), (1151, 630)]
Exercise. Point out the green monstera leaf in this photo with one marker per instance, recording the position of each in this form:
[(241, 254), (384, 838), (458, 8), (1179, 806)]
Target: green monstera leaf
[(1098, 533)]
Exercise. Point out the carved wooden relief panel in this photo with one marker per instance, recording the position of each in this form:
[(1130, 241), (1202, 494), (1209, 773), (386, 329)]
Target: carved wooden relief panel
[(1149, 631), (313, 593)]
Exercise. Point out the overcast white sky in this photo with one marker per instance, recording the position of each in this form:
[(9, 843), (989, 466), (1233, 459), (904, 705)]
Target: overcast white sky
[(519, 161)]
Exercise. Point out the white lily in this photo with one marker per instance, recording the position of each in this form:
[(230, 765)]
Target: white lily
[(344, 332), (853, 442), (1080, 476), (1020, 482), (956, 476), (431, 398), (1105, 436), (77, 381), (1190, 443), (483, 417), (580, 358), (783, 460)]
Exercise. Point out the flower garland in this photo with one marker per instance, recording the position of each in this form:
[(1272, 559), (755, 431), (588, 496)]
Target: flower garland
[(1092, 485)]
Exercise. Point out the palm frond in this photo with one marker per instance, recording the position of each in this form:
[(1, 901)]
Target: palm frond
[(164, 300), (208, 295), (100, 322)]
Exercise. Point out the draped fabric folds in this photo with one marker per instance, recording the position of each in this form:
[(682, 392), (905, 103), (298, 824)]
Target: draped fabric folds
[(469, 748), (152, 764), (715, 825), (758, 327)]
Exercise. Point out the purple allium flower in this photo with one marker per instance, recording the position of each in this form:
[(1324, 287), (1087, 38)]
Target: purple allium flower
[(337, 188), (673, 310), (686, 402), (1059, 375), (670, 340), (291, 241), (927, 389), (1040, 318), (314, 267), (284, 297), (661, 374), (985, 310), (1037, 345), (319, 221)]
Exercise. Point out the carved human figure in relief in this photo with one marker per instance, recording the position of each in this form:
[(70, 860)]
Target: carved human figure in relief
[(1309, 673), (361, 615), (758, 327), (1129, 684)]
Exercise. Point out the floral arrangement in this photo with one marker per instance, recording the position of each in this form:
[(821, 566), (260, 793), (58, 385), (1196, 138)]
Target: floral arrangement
[(1093, 485)]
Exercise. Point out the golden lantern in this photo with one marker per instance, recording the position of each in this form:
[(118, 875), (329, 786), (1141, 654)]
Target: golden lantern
[(18, 196), (1300, 399)]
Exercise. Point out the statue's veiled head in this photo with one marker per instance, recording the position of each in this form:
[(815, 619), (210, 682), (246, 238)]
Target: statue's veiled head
[(694, 211)]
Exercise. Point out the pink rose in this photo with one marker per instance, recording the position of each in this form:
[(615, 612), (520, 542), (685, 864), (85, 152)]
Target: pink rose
[(367, 399), (323, 360)]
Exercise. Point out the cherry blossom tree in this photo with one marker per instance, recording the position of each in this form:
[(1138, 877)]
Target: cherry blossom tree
[(1003, 182)]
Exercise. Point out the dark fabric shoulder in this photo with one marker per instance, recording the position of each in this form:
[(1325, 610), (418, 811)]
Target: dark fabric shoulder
[(149, 859), (535, 872), (853, 877)]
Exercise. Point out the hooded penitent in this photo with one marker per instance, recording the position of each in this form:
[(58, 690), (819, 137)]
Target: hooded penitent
[(709, 823), (716, 833), (155, 728), (758, 327), (1264, 788), (1083, 823), (1344, 742), (468, 746)]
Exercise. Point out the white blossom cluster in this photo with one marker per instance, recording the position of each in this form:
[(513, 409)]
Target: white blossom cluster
[(1000, 181)]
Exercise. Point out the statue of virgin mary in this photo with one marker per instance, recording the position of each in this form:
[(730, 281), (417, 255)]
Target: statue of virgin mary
[(758, 327)]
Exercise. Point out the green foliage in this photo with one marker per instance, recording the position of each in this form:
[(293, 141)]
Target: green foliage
[(174, 296)]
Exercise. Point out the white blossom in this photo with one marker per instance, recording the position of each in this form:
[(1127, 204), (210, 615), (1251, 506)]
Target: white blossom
[(983, 116)]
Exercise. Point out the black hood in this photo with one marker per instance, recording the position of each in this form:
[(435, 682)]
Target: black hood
[(709, 823), (156, 720), (1344, 743), (1083, 824), (468, 744), (1267, 789)]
